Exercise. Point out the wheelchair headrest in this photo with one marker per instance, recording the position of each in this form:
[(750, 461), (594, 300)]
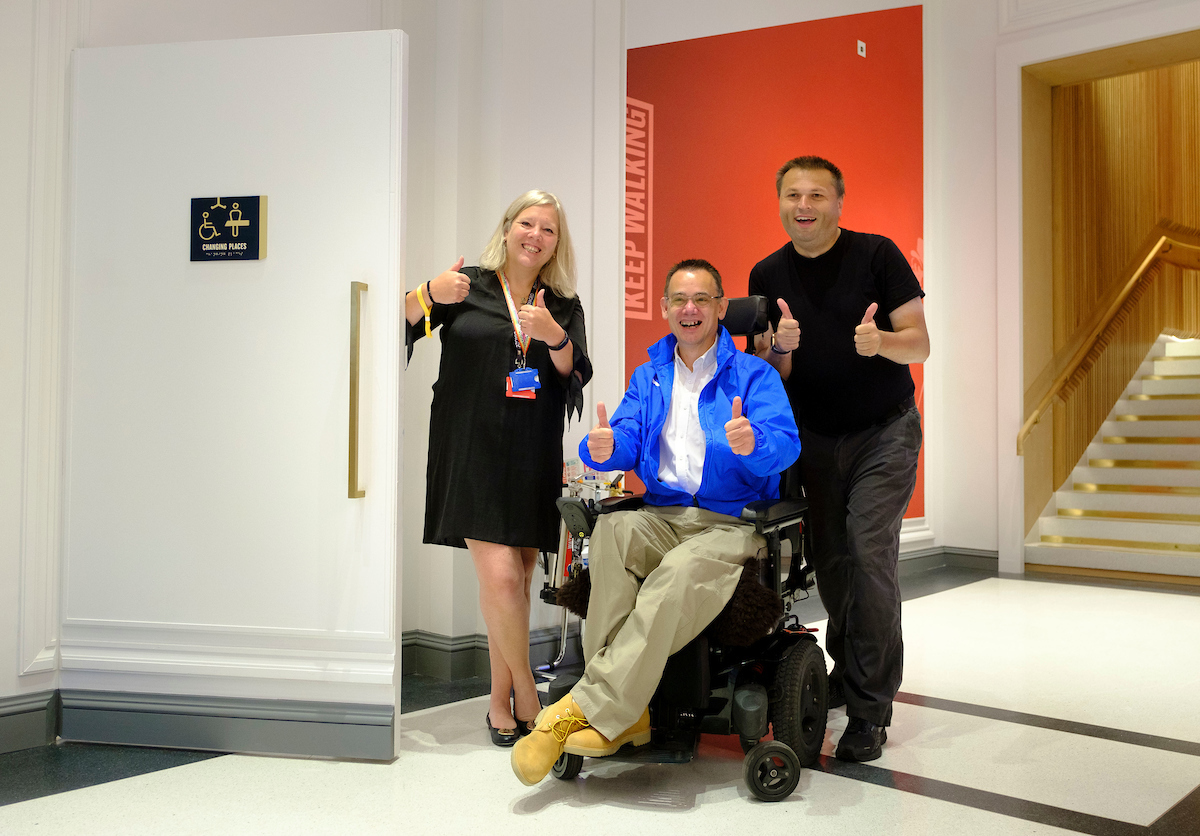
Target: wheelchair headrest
[(746, 316)]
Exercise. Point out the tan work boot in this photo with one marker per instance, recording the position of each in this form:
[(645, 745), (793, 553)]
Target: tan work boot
[(591, 743), (534, 754)]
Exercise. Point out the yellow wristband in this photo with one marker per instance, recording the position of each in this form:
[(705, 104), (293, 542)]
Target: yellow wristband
[(425, 308)]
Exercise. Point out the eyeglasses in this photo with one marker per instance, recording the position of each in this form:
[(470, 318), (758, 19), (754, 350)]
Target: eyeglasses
[(700, 300)]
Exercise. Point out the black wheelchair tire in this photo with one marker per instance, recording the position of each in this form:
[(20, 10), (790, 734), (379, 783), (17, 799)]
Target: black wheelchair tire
[(771, 771), (799, 715)]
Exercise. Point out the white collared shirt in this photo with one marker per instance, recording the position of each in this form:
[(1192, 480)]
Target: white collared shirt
[(681, 445)]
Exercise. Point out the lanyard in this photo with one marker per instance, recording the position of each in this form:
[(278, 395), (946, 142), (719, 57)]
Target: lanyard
[(521, 339)]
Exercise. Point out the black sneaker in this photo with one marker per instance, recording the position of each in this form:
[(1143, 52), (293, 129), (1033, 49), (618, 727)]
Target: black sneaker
[(862, 741), (837, 694)]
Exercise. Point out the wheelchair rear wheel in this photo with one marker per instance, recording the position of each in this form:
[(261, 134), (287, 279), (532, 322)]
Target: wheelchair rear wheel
[(771, 771), (798, 717)]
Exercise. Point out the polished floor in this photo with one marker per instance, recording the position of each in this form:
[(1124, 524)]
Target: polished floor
[(1028, 706)]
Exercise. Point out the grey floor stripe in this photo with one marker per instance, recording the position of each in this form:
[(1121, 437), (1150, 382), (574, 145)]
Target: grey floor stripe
[(991, 802), (1150, 741)]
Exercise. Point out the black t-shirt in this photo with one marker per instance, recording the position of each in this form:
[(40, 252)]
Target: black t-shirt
[(832, 388)]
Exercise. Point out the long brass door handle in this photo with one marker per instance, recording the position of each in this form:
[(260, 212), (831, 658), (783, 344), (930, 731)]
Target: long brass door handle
[(356, 291)]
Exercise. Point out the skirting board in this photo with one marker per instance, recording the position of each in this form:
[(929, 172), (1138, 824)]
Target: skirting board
[(278, 727), (28, 721), (461, 657), (450, 658), (921, 561)]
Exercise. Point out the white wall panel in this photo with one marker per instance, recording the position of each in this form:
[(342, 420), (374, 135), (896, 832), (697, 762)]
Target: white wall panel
[(206, 453), (960, 219), (18, 79), (130, 22), (1016, 15)]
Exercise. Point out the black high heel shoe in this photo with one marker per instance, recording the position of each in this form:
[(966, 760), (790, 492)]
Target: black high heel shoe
[(502, 737), (524, 727)]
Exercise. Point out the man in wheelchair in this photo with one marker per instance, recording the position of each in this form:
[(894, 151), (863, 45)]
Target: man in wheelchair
[(707, 429)]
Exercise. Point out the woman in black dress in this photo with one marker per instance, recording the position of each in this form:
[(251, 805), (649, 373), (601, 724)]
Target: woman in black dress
[(495, 436)]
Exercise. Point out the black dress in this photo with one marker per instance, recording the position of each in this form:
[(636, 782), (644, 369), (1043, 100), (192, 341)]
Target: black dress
[(495, 462)]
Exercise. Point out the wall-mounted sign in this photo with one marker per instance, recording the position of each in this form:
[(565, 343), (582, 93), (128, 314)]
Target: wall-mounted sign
[(229, 228)]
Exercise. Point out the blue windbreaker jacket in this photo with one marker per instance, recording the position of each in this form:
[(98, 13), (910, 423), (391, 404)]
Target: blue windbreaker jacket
[(729, 481)]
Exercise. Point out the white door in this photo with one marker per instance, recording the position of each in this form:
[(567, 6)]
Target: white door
[(212, 544)]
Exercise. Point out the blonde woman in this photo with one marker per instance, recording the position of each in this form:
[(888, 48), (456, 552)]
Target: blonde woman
[(513, 365)]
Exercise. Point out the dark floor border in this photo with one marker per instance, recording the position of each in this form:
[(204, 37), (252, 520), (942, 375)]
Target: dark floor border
[(28, 720), (49, 770), (1004, 805), (1150, 741), (278, 727), (1183, 817)]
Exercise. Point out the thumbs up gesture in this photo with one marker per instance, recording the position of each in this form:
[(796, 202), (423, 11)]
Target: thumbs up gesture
[(452, 286), (600, 439), (537, 321), (866, 334), (738, 431), (787, 336)]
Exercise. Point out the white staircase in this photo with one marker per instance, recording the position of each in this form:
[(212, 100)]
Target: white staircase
[(1132, 504)]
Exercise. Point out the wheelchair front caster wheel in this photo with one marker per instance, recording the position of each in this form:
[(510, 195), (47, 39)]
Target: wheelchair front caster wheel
[(771, 771), (567, 766)]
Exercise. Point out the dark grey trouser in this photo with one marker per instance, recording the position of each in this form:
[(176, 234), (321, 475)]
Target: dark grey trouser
[(858, 487)]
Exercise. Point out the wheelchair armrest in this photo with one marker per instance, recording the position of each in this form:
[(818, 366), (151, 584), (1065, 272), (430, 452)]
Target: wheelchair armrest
[(773, 514), (629, 502)]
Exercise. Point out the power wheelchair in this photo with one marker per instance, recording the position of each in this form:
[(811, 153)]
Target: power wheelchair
[(753, 670)]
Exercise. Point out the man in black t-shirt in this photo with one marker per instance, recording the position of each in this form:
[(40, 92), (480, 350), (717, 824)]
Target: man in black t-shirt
[(847, 319)]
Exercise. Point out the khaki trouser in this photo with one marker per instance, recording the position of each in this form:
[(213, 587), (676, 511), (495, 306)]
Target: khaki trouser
[(660, 575)]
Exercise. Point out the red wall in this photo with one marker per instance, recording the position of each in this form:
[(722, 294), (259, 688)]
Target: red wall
[(730, 109)]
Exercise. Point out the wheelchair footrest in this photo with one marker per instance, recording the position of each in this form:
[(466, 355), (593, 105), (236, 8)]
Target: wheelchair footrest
[(662, 748), (560, 686)]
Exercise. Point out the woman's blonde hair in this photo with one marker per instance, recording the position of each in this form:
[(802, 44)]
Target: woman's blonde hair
[(558, 273)]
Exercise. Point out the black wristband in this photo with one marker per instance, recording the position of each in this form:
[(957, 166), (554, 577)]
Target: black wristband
[(429, 294), (566, 339), (776, 349)]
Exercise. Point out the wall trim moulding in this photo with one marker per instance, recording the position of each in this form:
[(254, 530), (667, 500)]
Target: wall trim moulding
[(227, 661), (1018, 15), (27, 721), (56, 33), (460, 657), (278, 726), (915, 535)]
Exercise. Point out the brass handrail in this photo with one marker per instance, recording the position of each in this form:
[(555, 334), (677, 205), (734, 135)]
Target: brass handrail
[(1166, 242), (354, 490)]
